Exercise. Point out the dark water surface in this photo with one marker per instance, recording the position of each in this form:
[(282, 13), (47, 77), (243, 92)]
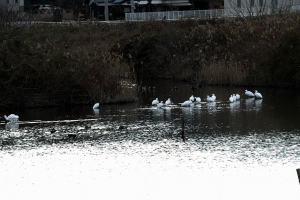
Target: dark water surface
[(248, 149)]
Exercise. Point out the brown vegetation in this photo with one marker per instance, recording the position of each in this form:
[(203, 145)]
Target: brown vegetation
[(42, 65), (235, 51), (54, 65)]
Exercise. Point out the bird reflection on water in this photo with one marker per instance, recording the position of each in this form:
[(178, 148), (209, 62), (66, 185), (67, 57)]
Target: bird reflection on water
[(11, 126)]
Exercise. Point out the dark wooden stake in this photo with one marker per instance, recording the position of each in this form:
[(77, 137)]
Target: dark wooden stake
[(298, 172), (182, 130)]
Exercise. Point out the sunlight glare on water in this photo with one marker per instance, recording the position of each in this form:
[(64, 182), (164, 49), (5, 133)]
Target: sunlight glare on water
[(139, 167), (245, 150)]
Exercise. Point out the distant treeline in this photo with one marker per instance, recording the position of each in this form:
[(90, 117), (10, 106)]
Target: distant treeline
[(53, 65)]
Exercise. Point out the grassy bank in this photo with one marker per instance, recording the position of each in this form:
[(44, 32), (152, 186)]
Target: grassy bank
[(65, 65), (258, 51)]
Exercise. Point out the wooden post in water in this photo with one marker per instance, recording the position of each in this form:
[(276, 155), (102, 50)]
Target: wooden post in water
[(298, 172), (182, 130)]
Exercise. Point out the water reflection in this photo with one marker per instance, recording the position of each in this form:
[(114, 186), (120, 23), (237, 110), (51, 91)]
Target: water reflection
[(187, 112), (211, 107), (168, 113), (11, 126), (234, 106), (249, 103), (258, 104), (96, 113)]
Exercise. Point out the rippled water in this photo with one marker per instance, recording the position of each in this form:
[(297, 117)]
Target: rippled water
[(243, 150)]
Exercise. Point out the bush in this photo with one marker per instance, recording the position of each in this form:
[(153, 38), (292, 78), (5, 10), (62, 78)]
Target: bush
[(57, 15)]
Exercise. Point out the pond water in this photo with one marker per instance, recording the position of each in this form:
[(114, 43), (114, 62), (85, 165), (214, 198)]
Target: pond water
[(248, 149)]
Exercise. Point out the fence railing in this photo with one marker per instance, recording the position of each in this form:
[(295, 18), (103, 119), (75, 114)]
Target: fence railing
[(174, 15), (204, 13)]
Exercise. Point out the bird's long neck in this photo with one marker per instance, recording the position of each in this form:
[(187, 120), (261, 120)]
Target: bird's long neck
[(5, 117)]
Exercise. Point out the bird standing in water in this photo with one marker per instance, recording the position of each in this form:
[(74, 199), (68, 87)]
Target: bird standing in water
[(96, 106), (154, 102), (12, 117), (258, 95)]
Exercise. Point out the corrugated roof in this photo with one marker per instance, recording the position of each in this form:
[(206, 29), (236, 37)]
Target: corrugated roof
[(103, 1)]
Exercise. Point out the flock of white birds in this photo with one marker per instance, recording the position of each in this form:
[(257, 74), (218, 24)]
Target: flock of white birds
[(191, 102), (194, 100)]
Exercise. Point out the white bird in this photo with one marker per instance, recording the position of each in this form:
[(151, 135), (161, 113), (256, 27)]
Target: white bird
[(210, 99), (12, 117), (234, 97), (96, 106), (231, 98), (161, 104), (198, 99), (249, 93), (237, 96), (192, 98), (168, 102), (214, 97), (154, 102), (258, 95), (186, 103)]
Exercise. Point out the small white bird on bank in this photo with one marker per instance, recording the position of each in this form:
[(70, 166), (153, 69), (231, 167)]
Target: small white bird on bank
[(12, 117), (231, 98), (155, 102), (249, 93), (168, 102), (198, 100), (161, 104), (258, 95), (186, 103), (237, 96), (96, 106)]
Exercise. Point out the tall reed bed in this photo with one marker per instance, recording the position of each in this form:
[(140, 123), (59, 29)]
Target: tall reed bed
[(233, 51), (54, 65), (86, 62)]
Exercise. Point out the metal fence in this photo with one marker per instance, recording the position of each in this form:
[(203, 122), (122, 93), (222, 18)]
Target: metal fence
[(174, 15)]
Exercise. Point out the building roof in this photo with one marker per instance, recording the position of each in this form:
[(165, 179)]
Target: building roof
[(100, 2), (143, 2)]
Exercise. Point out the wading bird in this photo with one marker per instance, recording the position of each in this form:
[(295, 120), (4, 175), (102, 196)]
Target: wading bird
[(209, 99), (249, 93), (192, 98), (214, 97), (234, 97), (154, 102), (231, 98), (96, 106), (12, 117), (198, 99), (186, 103), (161, 104), (258, 95), (168, 102)]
